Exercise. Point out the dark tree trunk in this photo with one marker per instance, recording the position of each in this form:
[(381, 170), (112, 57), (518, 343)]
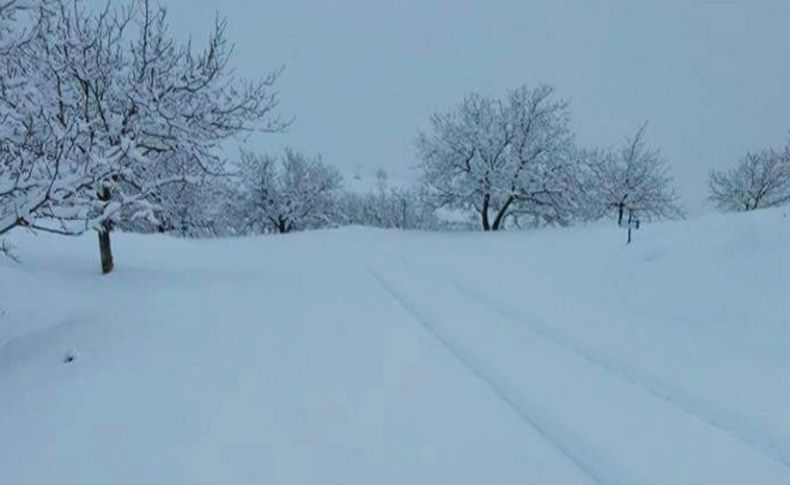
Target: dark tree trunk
[(484, 213), (105, 249), (620, 210), (500, 218), (630, 224), (282, 225)]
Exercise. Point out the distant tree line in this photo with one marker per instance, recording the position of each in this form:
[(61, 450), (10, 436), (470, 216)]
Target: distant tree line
[(107, 121)]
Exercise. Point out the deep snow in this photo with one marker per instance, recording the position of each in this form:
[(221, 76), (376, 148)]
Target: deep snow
[(361, 356)]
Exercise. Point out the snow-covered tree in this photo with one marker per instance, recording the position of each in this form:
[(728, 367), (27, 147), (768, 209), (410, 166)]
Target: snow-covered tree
[(759, 180), (33, 150), (499, 158), (633, 180), (111, 102), (289, 193)]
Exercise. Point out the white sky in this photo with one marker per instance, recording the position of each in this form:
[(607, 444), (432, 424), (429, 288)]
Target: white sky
[(711, 77)]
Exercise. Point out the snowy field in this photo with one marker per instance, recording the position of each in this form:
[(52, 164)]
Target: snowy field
[(361, 356)]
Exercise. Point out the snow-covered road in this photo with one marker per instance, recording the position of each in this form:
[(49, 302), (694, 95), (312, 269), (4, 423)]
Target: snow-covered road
[(361, 356), (612, 427)]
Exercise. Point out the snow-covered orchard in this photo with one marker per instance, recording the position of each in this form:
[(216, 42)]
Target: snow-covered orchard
[(519, 308)]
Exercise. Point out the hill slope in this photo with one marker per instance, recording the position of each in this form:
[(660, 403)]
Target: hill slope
[(359, 356)]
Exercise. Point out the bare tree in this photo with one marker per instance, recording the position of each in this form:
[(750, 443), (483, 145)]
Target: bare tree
[(759, 180), (121, 114), (633, 180), (499, 157), (291, 193)]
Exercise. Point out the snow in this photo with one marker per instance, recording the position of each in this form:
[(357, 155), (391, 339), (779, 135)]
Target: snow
[(360, 356)]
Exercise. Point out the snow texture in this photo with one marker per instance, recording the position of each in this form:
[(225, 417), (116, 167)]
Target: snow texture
[(361, 356)]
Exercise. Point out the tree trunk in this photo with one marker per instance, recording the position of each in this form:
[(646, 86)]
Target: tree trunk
[(282, 225), (484, 213), (630, 224), (105, 249), (500, 218), (620, 210)]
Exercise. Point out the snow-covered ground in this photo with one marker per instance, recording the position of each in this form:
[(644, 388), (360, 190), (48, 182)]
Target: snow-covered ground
[(361, 356)]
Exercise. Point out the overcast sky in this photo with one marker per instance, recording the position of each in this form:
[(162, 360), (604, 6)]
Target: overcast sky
[(712, 77)]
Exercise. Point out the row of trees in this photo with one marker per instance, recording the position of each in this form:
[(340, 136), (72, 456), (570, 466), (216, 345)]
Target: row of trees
[(292, 192), (512, 159), (266, 194), (108, 121), (508, 162)]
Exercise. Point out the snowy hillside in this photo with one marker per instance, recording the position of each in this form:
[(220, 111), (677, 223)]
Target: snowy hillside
[(360, 356)]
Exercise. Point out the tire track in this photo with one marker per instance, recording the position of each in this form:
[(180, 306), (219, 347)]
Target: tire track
[(494, 384), (692, 407)]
